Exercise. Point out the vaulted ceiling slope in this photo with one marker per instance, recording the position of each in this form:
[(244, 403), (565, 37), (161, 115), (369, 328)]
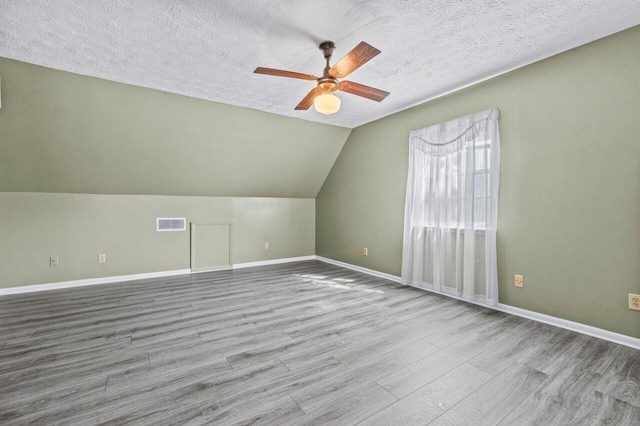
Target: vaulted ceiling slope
[(63, 132), (209, 50)]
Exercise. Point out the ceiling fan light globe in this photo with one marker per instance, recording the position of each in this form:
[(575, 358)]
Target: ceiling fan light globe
[(327, 103)]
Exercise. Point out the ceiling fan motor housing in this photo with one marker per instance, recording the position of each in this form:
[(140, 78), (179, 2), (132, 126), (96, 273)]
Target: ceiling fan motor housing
[(328, 84)]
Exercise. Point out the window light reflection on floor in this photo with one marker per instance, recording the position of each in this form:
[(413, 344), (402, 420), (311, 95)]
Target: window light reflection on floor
[(337, 283)]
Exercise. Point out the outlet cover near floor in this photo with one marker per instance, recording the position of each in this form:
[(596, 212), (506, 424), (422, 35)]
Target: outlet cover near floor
[(519, 281), (102, 258), (634, 301), (53, 261)]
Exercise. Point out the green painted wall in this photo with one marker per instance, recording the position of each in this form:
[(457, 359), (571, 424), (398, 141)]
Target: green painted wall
[(77, 227), (63, 132), (569, 209)]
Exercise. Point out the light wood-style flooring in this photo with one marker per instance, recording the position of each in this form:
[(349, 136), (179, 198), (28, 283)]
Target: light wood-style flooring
[(299, 343)]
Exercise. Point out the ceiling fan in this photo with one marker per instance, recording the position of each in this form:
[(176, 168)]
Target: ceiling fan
[(322, 96)]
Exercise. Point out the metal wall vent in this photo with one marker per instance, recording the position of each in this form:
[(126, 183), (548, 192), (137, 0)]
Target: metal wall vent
[(171, 224)]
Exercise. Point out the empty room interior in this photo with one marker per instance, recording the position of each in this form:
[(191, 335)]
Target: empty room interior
[(345, 212)]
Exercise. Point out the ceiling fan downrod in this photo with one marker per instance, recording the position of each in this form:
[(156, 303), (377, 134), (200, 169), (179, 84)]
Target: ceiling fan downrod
[(327, 83)]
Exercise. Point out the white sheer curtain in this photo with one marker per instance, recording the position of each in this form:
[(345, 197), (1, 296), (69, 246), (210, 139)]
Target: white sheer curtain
[(452, 207)]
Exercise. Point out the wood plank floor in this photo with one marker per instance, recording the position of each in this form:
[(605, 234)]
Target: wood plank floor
[(300, 343)]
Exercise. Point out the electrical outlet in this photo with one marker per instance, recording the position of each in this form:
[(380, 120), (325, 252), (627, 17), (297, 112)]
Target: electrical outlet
[(102, 258), (266, 246), (519, 281), (634, 301), (54, 261), (365, 251)]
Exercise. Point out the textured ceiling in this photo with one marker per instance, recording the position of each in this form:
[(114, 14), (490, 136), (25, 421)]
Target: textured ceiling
[(209, 49)]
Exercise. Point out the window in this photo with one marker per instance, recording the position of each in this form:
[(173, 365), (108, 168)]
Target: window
[(446, 189), (451, 208)]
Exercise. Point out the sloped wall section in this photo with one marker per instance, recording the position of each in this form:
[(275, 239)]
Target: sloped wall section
[(63, 132)]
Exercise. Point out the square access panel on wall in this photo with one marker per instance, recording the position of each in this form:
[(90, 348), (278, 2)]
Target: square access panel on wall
[(210, 246)]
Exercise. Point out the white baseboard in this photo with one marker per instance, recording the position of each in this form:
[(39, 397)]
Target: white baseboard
[(535, 316), (90, 281), (360, 269), (618, 338), (272, 262), (121, 278)]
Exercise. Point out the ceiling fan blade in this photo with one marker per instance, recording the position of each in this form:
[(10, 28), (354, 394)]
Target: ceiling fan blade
[(282, 73), (308, 100), (362, 90), (353, 60)]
